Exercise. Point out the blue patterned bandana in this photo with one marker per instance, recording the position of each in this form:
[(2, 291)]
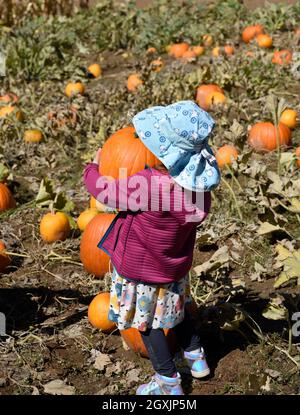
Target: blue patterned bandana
[(178, 136)]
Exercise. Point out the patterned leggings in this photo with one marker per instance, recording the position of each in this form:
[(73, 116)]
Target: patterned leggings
[(156, 344)]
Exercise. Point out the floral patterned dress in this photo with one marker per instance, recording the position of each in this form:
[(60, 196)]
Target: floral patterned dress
[(142, 306)]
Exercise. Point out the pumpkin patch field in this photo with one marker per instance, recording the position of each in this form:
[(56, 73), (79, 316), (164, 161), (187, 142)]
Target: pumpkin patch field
[(71, 79)]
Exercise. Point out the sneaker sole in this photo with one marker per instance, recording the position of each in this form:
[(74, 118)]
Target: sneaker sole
[(199, 375)]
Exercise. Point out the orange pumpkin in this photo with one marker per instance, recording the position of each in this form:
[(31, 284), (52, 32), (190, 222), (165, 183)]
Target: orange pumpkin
[(98, 313), (151, 50), (216, 51), (282, 57), (226, 154), (94, 260), (198, 50), (33, 136), (7, 200), (298, 156), (94, 204), (250, 32), (157, 65), (178, 49), (203, 91), (229, 50), (74, 88), (4, 258), (262, 136), (134, 341), (214, 99), (54, 227), (264, 41), (85, 217), (9, 110), (125, 150), (9, 98), (94, 70), (133, 82), (189, 55), (289, 117), (207, 40)]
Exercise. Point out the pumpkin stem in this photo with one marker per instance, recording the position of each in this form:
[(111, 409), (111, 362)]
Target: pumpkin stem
[(51, 207)]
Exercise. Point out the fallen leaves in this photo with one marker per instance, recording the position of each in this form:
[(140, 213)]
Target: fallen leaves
[(275, 310), (58, 387), (101, 361), (219, 258), (290, 261)]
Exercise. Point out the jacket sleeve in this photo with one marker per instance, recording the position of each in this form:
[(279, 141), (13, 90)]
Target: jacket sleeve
[(130, 193)]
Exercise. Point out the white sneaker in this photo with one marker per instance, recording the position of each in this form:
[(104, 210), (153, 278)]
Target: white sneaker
[(197, 363)]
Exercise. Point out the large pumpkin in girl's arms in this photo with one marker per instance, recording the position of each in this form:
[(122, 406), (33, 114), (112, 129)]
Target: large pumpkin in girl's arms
[(94, 260), (124, 149)]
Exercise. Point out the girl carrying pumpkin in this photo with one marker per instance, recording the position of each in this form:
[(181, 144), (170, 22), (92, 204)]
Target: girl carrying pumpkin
[(151, 241)]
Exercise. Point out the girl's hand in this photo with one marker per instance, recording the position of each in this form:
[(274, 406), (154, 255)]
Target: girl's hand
[(97, 157)]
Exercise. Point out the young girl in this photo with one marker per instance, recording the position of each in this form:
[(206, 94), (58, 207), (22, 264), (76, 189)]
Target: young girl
[(152, 238)]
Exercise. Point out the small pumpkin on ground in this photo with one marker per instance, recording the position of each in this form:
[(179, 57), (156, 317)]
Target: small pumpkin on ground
[(9, 98), (151, 50), (157, 64), (216, 51), (215, 99), (9, 110), (85, 217), (229, 50), (94, 70), (54, 226), (98, 313), (7, 200), (134, 81), (289, 117), (207, 40), (94, 204), (33, 136), (282, 57), (178, 49), (74, 88), (264, 41), (198, 50), (203, 92), (189, 55), (226, 154), (250, 32), (262, 136)]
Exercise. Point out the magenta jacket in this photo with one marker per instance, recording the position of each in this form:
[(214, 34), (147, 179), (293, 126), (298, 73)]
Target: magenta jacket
[(152, 238)]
